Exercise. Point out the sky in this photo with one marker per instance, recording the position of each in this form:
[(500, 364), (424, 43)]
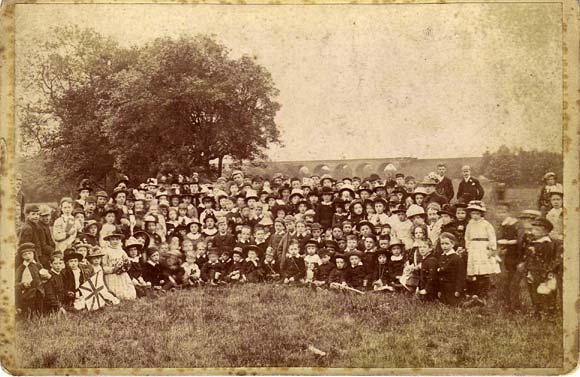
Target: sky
[(370, 81)]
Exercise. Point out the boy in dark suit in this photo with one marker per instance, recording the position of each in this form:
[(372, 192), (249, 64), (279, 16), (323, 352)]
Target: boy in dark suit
[(450, 277), (151, 269), (55, 297), (324, 269), (356, 275), (211, 272), (72, 278)]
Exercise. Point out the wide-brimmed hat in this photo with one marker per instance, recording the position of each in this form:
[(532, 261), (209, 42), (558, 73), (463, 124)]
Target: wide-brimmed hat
[(71, 254), (95, 251), (429, 181), (549, 174), (150, 219), (118, 191), (556, 191), (381, 200), (133, 242), (348, 188), (476, 205), (542, 222), (529, 214), (364, 222), (194, 220), (415, 210), (297, 192), (401, 208), (108, 210), (419, 191), (396, 242), (326, 191), (447, 209)]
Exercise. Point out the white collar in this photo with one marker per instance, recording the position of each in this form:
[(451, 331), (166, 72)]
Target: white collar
[(397, 257), (26, 264), (450, 252), (358, 264), (152, 263)]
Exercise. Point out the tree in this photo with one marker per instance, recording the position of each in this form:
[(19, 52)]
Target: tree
[(66, 81), (93, 109), (520, 167), (186, 102)]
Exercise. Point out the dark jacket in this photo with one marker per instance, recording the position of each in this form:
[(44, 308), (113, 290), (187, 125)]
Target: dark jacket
[(470, 190), (323, 272), (54, 293), (46, 243), (252, 271), (152, 273), (356, 277), (293, 268), (336, 276), (29, 232), (428, 277), (445, 188), (211, 271), (68, 281), (450, 276)]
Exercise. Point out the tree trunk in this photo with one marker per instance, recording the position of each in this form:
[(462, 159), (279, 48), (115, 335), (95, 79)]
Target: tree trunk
[(220, 165)]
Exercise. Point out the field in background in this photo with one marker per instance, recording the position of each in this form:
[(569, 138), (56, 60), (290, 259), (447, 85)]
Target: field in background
[(272, 325)]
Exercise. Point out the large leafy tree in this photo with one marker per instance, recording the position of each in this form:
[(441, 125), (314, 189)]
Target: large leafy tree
[(91, 108), (187, 103)]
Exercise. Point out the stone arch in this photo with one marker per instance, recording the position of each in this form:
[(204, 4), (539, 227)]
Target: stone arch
[(385, 167), (363, 170), (343, 171), (303, 171), (321, 169)]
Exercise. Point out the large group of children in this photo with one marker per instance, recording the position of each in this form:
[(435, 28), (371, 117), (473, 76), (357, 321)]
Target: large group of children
[(398, 234)]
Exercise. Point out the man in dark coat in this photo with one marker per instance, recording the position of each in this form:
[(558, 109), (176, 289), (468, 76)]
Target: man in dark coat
[(445, 186), (469, 188)]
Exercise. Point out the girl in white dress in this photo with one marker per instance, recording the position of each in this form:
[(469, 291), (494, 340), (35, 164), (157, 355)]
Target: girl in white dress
[(116, 263), (481, 245)]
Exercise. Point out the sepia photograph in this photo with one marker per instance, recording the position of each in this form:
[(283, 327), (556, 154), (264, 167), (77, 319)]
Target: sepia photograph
[(286, 188)]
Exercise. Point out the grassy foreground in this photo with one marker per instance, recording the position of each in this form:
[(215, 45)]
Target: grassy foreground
[(271, 325)]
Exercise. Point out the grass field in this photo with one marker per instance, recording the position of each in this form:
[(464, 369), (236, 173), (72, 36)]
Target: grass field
[(272, 325)]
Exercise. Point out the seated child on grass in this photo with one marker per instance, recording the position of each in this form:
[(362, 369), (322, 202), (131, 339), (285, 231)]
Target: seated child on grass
[(293, 267)]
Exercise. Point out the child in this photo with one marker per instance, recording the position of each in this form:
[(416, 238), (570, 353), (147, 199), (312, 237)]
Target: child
[(271, 268), (410, 277), (556, 215), (234, 271), (201, 255), (380, 277), (293, 267), (28, 283), (211, 272), (152, 269), (252, 271), (480, 241), (95, 257), (450, 277), (508, 246), (171, 271), (542, 262), (135, 271), (192, 274), (55, 297), (401, 226), (210, 230), (65, 228), (311, 268), (396, 262), (324, 269), (115, 267), (194, 234), (108, 227), (72, 278), (427, 289), (380, 217), (336, 276), (356, 275), (311, 256)]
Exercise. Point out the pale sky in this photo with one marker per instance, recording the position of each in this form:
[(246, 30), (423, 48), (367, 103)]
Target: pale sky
[(361, 81)]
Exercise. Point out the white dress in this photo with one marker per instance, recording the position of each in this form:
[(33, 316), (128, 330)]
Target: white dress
[(480, 238), (119, 284)]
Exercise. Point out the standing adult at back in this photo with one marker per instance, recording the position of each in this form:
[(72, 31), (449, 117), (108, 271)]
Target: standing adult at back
[(469, 188), (445, 186)]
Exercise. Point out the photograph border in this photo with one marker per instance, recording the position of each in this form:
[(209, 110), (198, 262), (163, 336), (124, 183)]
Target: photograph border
[(570, 143)]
